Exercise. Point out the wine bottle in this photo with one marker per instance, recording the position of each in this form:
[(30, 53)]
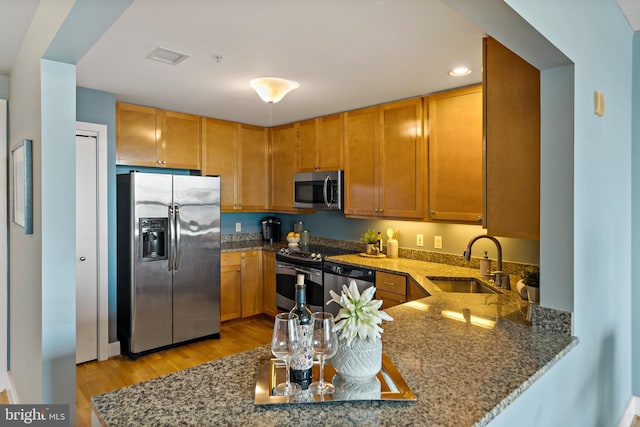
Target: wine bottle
[(303, 359)]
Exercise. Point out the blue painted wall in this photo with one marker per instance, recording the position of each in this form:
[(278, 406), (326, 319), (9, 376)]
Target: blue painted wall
[(58, 232)]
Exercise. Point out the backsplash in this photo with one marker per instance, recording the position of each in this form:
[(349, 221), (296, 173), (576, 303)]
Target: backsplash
[(516, 269)]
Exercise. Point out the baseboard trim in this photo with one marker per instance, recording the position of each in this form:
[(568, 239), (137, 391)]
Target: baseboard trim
[(633, 409), (114, 348)]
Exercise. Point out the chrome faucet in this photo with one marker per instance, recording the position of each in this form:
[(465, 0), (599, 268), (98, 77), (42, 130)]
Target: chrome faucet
[(501, 278)]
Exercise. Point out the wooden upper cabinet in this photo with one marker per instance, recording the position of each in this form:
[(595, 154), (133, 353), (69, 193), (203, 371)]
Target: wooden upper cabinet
[(151, 137), (219, 158), (402, 160), (307, 144), (331, 142), (321, 144), (135, 135), (361, 160), (455, 154), (239, 154), (283, 166), (178, 139), (385, 160), (511, 88), (253, 168)]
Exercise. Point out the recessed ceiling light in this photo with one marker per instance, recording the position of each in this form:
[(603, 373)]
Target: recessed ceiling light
[(167, 56), (460, 71)]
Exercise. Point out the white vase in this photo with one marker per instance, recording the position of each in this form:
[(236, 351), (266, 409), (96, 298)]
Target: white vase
[(359, 361), (365, 390)]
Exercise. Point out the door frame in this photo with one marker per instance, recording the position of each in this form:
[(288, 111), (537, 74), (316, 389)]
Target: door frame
[(100, 132), (4, 256)]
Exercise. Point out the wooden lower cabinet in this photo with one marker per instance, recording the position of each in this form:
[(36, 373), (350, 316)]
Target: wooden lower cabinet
[(230, 284), (240, 284), (391, 289), (269, 283), (251, 277)]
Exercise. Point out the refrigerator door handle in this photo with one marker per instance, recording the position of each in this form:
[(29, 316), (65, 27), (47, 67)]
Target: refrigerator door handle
[(178, 231), (172, 234)]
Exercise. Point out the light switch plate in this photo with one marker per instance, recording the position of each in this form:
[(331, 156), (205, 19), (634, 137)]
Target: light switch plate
[(419, 240), (437, 242)]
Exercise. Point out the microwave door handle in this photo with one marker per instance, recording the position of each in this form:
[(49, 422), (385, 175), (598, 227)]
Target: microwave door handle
[(325, 191)]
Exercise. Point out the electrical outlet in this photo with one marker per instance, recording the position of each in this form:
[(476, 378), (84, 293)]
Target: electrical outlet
[(437, 242), (238, 227), (419, 240)]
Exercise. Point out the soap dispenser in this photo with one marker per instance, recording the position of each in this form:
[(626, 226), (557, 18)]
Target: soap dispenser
[(485, 266)]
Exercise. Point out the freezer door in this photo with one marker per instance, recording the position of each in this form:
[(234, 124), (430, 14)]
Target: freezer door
[(151, 287), (196, 276)]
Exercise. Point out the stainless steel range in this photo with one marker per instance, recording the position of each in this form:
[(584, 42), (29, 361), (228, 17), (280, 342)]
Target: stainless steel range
[(307, 260)]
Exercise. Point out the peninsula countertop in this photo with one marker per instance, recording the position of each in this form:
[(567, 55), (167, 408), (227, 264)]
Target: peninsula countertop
[(463, 372)]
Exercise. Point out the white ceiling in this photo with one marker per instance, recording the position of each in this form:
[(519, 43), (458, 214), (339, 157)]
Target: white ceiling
[(344, 53)]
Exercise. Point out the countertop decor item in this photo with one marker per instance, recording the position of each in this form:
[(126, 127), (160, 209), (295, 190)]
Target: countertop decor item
[(370, 237), (293, 238), (359, 355)]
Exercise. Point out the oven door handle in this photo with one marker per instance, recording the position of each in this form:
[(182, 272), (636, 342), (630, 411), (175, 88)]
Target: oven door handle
[(307, 271)]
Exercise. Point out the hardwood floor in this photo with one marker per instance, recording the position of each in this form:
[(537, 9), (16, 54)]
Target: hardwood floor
[(94, 378)]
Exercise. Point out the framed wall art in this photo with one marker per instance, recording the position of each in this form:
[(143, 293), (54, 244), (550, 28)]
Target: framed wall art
[(22, 186)]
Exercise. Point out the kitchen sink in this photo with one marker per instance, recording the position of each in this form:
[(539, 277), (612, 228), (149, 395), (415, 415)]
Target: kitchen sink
[(467, 285)]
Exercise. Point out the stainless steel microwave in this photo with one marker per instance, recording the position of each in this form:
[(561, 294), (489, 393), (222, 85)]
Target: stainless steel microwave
[(318, 190)]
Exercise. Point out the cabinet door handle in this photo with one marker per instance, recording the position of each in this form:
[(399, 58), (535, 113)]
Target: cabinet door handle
[(389, 283)]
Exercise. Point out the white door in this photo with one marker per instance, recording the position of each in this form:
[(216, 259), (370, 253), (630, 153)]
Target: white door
[(86, 249)]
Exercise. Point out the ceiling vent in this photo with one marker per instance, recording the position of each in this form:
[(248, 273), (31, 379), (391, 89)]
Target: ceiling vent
[(167, 56)]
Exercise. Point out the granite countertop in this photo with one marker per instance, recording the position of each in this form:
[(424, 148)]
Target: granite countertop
[(507, 304), (465, 356)]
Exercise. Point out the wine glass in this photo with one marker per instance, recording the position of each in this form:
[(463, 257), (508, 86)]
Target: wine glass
[(285, 336), (325, 345)]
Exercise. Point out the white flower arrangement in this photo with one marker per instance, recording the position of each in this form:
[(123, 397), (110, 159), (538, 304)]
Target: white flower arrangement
[(360, 315)]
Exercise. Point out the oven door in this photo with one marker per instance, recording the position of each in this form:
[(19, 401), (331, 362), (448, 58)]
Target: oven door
[(286, 277)]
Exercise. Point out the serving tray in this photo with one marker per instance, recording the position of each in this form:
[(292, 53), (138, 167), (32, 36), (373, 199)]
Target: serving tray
[(366, 255), (387, 385)]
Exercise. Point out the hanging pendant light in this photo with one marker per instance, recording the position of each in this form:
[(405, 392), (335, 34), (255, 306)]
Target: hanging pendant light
[(273, 89)]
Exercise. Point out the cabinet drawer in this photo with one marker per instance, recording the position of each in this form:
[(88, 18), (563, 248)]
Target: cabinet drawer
[(389, 299), (391, 283), (230, 258)]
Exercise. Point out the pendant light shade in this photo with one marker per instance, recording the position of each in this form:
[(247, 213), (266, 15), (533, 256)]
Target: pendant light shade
[(273, 89)]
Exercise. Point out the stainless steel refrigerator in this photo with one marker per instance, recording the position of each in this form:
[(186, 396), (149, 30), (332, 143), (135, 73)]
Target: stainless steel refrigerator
[(168, 260)]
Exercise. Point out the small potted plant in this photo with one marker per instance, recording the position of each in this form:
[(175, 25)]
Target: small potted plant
[(359, 355), (370, 237), (531, 279)]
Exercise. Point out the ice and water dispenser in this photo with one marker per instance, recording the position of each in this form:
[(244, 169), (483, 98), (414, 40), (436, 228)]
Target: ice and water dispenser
[(153, 238)]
